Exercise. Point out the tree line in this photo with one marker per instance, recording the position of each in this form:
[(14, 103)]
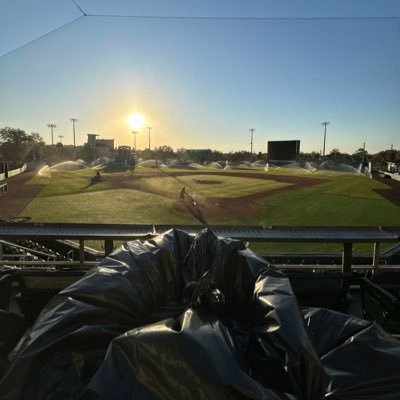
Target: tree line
[(17, 146)]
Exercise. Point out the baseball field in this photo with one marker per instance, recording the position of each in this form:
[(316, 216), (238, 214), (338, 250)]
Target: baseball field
[(281, 196)]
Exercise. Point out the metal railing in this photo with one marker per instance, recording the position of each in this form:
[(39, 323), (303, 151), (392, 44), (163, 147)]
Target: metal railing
[(346, 236)]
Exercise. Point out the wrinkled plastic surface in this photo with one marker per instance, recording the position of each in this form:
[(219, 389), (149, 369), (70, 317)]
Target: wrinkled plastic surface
[(203, 318)]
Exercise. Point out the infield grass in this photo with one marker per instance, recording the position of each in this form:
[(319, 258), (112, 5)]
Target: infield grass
[(210, 185)]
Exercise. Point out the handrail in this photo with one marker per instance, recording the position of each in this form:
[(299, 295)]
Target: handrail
[(347, 236)]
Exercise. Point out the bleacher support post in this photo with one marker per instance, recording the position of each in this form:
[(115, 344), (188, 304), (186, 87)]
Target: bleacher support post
[(81, 251), (347, 257), (375, 262), (108, 246)]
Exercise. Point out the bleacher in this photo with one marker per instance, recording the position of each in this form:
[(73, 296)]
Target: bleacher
[(380, 295)]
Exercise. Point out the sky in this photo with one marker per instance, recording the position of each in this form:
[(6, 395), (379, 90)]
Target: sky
[(281, 68)]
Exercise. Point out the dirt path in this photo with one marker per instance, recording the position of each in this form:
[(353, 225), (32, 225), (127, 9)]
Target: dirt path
[(19, 194), (393, 193)]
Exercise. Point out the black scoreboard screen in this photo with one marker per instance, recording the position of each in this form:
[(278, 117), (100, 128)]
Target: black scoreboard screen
[(283, 150)]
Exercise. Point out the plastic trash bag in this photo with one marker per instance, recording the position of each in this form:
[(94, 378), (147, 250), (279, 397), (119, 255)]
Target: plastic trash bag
[(182, 317)]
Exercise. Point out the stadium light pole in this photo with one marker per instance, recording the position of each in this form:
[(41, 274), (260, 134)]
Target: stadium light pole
[(149, 128), (51, 126), (251, 143), (73, 120), (61, 138), (324, 124)]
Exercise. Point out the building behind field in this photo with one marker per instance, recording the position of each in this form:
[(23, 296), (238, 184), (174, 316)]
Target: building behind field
[(104, 147)]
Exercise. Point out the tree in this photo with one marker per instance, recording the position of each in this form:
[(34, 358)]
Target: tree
[(163, 153), (335, 153), (217, 155), (37, 146), (87, 153), (361, 155), (15, 144), (146, 154), (238, 156), (181, 154)]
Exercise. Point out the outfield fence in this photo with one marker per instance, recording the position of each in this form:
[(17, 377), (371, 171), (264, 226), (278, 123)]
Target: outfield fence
[(17, 171)]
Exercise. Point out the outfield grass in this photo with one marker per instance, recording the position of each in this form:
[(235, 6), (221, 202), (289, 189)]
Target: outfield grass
[(67, 183), (342, 201)]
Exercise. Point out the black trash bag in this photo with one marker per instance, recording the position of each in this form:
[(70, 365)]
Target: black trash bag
[(194, 318), (192, 357), (361, 359), (198, 356), (136, 285)]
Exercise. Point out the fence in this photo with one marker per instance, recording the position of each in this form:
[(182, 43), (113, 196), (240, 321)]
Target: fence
[(16, 171)]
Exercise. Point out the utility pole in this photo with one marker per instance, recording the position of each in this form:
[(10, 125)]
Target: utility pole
[(251, 143), (325, 124), (363, 154), (134, 135), (51, 126), (149, 128), (73, 120), (61, 138)]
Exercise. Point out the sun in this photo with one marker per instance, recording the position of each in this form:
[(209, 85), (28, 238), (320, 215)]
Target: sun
[(136, 121)]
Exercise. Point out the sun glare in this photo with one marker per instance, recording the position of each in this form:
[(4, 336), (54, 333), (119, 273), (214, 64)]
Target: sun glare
[(136, 121)]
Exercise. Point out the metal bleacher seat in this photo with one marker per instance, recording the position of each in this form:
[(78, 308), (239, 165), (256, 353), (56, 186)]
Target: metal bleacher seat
[(327, 289), (37, 287), (380, 296)]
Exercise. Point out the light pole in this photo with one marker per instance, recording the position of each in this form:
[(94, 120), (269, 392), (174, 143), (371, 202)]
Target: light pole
[(51, 126), (149, 128), (134, 135), (325, 124), (251, 143), (61, 138), (73, 120)]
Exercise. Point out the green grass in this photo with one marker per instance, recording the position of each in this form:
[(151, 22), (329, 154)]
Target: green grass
[(232, 187), (342, 201), (67, 183), (122, 206), (315, 248)]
